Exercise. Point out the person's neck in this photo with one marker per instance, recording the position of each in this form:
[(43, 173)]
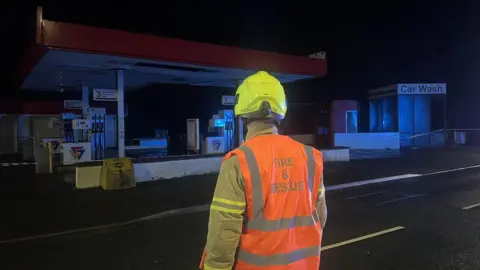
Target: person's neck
[(260, 127)]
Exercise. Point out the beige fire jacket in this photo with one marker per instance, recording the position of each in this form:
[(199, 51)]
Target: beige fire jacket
[(228, 207)]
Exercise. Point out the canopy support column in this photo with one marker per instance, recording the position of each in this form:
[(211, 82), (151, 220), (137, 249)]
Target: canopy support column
[(120, 113)]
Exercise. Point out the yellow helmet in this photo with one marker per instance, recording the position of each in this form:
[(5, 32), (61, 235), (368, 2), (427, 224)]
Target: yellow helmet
[(260, 96)]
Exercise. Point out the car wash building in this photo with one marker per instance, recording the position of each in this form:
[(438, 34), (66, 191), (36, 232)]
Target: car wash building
[(405, 115)]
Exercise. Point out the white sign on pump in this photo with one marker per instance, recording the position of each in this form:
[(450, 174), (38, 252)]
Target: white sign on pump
[(81, 124), (228, 100), (105, 94), (422, 89)]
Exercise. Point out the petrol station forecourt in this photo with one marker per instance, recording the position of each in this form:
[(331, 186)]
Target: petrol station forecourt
[(417, 209)]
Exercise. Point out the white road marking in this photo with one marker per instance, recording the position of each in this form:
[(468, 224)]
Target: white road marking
[(453, 170), (372, 181), (471, 206), (206, 207), (363, 195), (399, 199), (16, 164), (362, 238), (170, 213), (176, 212)]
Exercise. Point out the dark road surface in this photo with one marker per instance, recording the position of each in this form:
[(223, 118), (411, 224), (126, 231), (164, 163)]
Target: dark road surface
[(437, 233)]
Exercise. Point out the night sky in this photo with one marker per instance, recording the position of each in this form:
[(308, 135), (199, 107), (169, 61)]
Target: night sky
[(368, 45)]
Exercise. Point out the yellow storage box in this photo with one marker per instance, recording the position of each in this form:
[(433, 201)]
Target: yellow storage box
[(117, 173)]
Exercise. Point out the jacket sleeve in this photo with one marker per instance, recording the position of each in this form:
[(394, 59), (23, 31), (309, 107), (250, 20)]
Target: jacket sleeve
[(226, 218), (322, 204)]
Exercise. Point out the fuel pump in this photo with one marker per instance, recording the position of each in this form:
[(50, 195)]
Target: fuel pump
[(228, 129), (75, 147), (221, 132), (97, 138), (67, 130)]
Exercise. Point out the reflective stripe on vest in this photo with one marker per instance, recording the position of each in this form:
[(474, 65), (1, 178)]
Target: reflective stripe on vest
[(258, 222), (278, 259)]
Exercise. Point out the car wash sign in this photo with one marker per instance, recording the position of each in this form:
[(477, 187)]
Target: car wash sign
[(422, 89)]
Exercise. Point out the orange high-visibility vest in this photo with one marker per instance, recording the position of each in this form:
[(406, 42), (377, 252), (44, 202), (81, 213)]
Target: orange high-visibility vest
[(282, 181)]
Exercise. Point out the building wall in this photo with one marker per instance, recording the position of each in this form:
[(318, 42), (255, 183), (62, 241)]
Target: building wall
[(338, 118), (338, 109)]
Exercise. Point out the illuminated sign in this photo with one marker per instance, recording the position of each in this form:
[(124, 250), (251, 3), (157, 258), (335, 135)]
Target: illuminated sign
[(219, 122), (77, 152), (422, 89)]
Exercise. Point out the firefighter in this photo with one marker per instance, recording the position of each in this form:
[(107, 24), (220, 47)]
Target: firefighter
[(268, 210)]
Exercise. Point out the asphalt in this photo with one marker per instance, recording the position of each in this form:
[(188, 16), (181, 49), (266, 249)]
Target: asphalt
[(437, 234)]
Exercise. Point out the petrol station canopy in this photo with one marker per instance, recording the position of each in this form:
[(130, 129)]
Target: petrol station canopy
[(66, 55)]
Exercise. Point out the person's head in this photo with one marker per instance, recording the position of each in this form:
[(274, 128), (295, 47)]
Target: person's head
[(260, 97)]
